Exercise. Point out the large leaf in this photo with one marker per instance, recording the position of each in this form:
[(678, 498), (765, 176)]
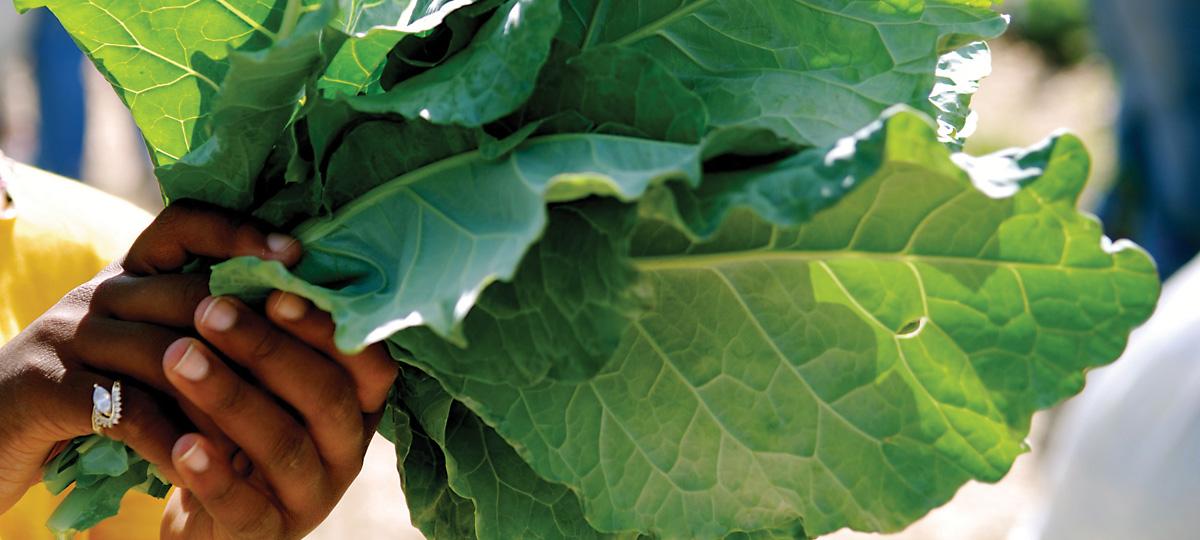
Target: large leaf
[(167, 58), (419, 249), (480, 471), (493, 76), (257, 99), (810, 71), (419, 412), (563, 314), (374, 27), (377, 151), (852, 371), (616, 90)]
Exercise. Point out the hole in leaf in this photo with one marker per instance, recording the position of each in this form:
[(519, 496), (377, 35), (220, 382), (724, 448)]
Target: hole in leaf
[(911, 329)]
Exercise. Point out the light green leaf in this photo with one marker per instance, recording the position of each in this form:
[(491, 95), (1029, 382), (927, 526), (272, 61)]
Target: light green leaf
[(257, 99), (167, 58), (420, 249), (492, 77), (853, 371), (809, 71)]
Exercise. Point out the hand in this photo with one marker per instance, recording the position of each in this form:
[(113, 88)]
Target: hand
[(117, 325), (302, 429)]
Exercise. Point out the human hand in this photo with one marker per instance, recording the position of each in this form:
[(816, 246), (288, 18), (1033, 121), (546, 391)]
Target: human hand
[(117, 325), (302, 429)]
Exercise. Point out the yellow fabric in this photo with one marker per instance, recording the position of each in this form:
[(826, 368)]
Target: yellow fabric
[(61, 234)]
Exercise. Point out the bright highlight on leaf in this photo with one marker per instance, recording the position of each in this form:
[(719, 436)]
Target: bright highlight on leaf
[(688, 269)]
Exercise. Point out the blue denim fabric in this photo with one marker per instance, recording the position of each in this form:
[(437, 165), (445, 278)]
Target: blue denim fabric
[(58, 73), (1153, 45)]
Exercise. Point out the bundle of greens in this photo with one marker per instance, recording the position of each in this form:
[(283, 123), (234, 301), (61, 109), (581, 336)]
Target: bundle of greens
[(662, 268)]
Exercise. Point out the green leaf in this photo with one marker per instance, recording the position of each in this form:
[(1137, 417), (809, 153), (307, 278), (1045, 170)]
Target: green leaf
[(563, 314), (618, 90), (377, 151), (492, 77), (257, 99), (853, 371), (106, 458), (506, 498), (167, 59), (374, 29), (958, 75), (82, 509), (809, 71), (419, 249)]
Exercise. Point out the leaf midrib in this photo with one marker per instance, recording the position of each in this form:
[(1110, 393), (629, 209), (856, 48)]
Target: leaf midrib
[(707, 261)]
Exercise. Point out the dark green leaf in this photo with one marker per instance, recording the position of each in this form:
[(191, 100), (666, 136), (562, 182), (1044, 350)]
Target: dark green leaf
[(492, 77)]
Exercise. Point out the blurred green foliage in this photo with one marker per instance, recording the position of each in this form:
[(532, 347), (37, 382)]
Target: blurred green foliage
[(1061, 29)]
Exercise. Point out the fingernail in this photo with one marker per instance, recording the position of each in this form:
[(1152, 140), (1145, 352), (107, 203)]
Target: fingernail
[(192, 366), (192, 457), (290, 307), (220, 315), (279, 243)]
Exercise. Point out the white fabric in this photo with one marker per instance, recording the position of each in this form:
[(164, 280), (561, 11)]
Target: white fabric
[(1124, 462)]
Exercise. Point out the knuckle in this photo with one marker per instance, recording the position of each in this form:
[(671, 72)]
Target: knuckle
[(254, 525), (195, 288), (341, 406), (232, 400), (177, 213), (266, 346), (289, 452)]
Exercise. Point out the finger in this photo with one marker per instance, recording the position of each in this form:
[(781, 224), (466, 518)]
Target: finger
[(136, 350), (234, 505), (315, 386), (142, 425), (128, 348), (166, 299), (277, 445), (188, 228), (373, 370)]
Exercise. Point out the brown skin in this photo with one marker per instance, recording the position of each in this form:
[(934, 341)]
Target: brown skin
[(279, 449)]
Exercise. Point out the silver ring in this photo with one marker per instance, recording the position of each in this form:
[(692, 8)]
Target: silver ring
[(106, 406)]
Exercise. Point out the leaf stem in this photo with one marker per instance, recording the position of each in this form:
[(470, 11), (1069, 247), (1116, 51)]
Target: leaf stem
[(291, 14)]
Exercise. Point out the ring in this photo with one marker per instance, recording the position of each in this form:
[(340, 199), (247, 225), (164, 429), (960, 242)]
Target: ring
[(106, 406)]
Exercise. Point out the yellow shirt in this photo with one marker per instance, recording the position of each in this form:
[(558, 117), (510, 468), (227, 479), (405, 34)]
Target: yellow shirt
[(57, 234)]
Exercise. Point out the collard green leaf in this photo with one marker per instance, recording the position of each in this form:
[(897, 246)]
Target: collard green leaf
[(852, 371), (563, 314), (257, 99), (618, 90), (419, 249), (374, 27), (507, 499), (492, 77), (958, 75), (809, 71), (434, 508), (376, 152), (102, 471), (167, 58)]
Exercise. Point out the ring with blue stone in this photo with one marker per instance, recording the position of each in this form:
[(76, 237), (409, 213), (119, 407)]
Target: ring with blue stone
[(106, 406)]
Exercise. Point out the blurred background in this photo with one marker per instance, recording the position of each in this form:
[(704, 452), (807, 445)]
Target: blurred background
[(1117, 73)]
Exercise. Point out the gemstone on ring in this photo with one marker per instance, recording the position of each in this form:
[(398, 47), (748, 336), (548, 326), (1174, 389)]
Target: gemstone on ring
[(106, 406), (102, 399)]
